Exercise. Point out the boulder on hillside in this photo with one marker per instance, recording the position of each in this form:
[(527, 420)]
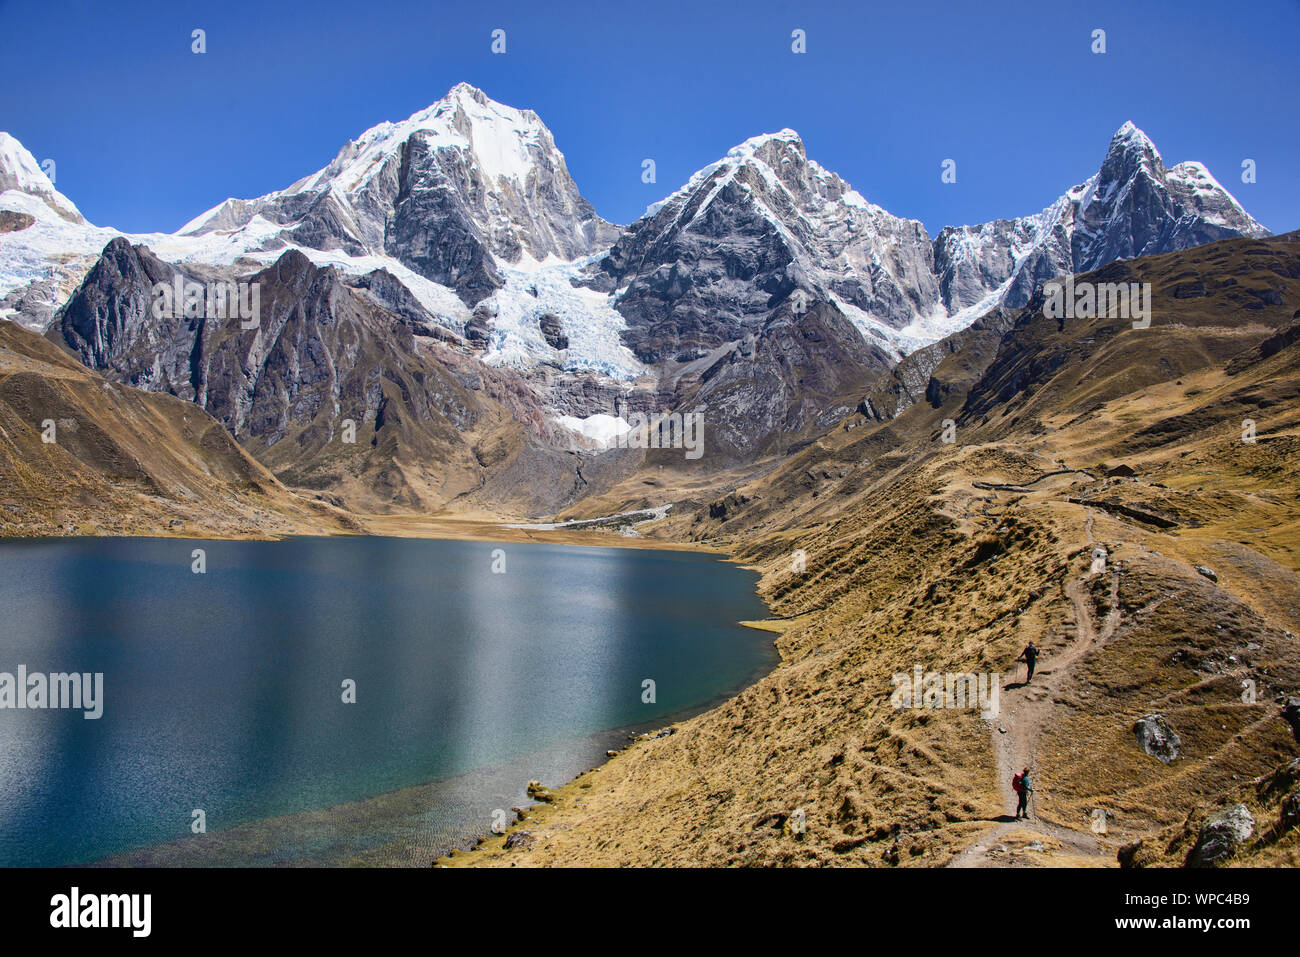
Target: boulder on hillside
[(1221, 834), (539, 792), (519, 839), (1127, 854), (1156, 736)]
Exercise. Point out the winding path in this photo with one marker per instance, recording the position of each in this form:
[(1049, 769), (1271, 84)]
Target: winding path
[(1025, 711)]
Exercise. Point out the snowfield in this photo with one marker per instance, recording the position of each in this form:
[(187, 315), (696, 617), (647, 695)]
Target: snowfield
[(834, 233)]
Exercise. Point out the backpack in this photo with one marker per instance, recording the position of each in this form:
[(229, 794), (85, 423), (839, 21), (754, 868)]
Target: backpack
[(1018, 783)]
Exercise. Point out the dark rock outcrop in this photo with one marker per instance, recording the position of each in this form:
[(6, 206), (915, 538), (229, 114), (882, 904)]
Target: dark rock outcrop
[(1220, 836), (331, 389), (1291, 715), (553, 331), (1157, 737)]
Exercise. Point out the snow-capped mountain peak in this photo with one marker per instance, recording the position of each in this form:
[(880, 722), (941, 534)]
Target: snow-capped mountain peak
[(766, 284), (503, 142), (20, 171), (1130, 153), (1129, 137), (467, 207), (498, 137), (781, 160), (1132, 206), (756, 151), (455, 192), (748, 230)]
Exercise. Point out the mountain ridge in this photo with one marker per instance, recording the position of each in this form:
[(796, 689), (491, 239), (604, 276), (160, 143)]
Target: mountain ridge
[(332, 210), (763, 281)]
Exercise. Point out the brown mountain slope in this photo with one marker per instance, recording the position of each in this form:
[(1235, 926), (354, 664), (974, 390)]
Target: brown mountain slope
[(340, 386), (124, 461), (952, 556)]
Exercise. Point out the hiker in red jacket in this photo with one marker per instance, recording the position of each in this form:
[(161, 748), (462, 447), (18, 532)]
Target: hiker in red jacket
[(1020, 784)]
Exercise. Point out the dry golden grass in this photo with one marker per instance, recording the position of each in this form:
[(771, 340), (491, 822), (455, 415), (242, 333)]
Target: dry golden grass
[(908, 562), (882, 549), (127, 462)]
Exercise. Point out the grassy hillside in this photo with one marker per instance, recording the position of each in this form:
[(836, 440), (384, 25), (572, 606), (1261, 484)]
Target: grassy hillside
[(126, 462), (952, 556)]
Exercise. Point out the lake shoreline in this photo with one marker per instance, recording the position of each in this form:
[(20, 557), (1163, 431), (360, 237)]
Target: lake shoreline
[(466, 527), (235, 843), (254, 841)]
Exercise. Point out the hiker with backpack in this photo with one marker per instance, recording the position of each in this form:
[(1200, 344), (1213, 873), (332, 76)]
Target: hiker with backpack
[(1030, 657), (1020, 784)]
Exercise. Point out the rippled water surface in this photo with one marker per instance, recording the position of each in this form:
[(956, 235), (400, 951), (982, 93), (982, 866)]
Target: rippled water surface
[(222, 691)]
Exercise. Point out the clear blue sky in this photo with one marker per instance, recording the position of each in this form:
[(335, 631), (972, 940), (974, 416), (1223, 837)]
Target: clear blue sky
[(146, 134)]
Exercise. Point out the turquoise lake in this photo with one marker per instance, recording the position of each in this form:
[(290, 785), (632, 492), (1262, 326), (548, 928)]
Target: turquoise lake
[(223, 692)]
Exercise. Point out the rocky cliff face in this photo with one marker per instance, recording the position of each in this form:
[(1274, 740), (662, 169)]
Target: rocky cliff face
[(80, 454), (765, 293), (1134, 206), (794, 377), (443, 192), (333, 388), (763, 226), (108, 322)]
